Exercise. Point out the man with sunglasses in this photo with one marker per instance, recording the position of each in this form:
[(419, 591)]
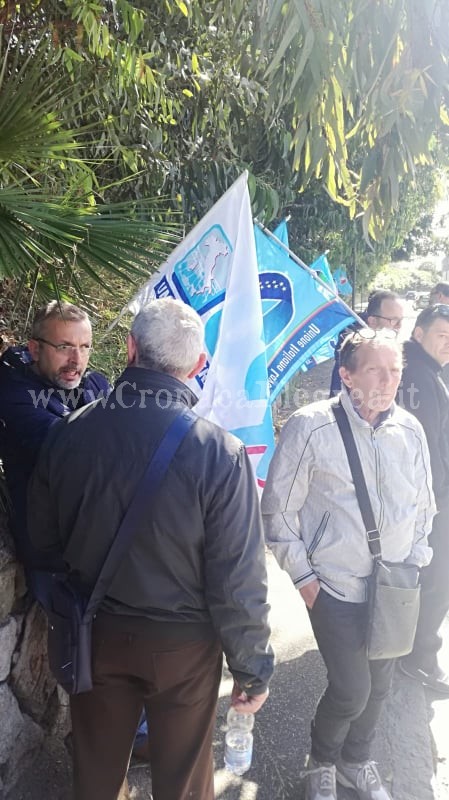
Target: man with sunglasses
[(314, 527), (39, 384), (384, 310), (424, 394)]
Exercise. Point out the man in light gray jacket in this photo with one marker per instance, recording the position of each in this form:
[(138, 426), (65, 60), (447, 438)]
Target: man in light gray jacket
[(314, 527)]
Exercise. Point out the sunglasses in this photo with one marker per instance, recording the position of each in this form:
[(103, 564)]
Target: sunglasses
[(439, 310), (365, 334)]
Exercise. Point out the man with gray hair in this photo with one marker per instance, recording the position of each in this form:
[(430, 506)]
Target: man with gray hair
[(193, 582)]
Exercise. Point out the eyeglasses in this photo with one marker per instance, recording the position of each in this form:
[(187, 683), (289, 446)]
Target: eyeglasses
[(365, 334), (66, 348), (395, 322)]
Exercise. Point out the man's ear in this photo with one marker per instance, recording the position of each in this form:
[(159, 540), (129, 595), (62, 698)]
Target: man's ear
[(418, 334), (33, 348), (198, 366), (132, 350), (345, 375)]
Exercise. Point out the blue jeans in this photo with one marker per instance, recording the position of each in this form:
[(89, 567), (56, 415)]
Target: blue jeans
[(348, 712)]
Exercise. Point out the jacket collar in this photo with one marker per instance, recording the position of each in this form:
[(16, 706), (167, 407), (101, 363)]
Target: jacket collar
[(355, 417), (136, 379), (414, 351)]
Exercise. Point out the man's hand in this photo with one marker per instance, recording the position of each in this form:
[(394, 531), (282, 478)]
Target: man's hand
[(309, 593), (247, 704)]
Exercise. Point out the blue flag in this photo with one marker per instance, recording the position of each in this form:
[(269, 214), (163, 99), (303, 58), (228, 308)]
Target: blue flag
[(321, 266), (300, 315), (341, 281)]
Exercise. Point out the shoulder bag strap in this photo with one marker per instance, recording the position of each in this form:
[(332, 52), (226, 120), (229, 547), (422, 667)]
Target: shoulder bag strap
[(359, 480), (147, 487)]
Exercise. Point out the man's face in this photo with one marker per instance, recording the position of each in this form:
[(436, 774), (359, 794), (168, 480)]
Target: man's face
[(391, 314), (66, 366), (435, 340), (438, 297), (374, 382)]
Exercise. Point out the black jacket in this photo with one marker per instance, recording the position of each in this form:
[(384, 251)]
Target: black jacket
[(29, 406), (198, 557), (423, 393)]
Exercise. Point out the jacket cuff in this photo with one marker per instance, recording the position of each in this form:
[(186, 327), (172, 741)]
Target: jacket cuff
[(309, 577)]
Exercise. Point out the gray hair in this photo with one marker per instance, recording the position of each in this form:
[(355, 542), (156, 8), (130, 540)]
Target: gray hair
[(55, 310), (349, 350), (169, 336)]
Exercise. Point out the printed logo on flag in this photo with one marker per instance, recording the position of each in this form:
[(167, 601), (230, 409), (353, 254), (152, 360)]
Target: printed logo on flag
[(277, 303), (201, 276)]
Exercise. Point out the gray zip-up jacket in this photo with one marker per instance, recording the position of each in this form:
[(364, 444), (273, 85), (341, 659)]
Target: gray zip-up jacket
[(311, 515)]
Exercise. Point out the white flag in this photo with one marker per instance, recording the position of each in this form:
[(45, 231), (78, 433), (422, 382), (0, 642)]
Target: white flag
[(214, 270)]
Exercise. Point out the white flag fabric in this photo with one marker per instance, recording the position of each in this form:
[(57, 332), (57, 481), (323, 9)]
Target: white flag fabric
[(215, 271)]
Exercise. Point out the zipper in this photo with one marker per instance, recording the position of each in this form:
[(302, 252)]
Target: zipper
[(378, 479)]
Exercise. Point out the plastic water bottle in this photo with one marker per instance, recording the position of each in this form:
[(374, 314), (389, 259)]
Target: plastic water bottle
[(238, 742)]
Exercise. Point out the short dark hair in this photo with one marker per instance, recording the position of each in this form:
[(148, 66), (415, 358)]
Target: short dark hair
[(428, 316), (376, 299), (441, 288)]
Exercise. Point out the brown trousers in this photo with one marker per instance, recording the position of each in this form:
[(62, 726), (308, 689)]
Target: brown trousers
[(178, 684)]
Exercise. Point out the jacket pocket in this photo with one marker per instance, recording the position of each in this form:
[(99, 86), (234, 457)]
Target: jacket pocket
[(319, 533)]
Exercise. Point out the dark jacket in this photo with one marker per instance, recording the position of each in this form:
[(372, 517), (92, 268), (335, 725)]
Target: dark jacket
[(29, 406), (423, 393), (198, 556)]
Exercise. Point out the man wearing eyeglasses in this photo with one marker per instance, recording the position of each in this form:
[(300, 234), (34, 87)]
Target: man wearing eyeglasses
[(314, 527), (39, 384), (424, 394), (384, 310)]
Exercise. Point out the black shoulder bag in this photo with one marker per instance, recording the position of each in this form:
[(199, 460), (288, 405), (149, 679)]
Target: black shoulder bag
[(393, 590), (70, 614)]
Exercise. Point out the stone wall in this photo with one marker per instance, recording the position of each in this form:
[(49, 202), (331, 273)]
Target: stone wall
[(31, 705)]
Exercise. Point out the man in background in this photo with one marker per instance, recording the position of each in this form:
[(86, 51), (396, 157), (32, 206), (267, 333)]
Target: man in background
[(193, 582), (424, 394), (384, 310), (439, 294)]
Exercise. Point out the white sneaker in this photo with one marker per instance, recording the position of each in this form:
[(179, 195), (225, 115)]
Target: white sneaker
[(320, 781), (364, 778)]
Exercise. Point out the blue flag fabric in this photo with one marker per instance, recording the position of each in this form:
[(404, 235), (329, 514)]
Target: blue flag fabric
[(300, 316), (321, 266), (341, 281)]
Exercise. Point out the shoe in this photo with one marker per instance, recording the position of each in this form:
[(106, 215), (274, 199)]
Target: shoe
[(320, 781), (437, 680), (364, 778)]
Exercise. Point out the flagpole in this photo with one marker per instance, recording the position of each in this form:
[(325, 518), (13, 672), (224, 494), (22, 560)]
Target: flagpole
[(312, 272)]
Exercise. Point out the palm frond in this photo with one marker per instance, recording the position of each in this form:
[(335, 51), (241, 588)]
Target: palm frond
[(123, 239)]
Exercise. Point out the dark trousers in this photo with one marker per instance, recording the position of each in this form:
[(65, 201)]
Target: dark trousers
[(348, 712), (434, 597), (178, 684)]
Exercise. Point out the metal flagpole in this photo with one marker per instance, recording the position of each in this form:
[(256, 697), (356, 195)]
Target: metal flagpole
[(309, 270)]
